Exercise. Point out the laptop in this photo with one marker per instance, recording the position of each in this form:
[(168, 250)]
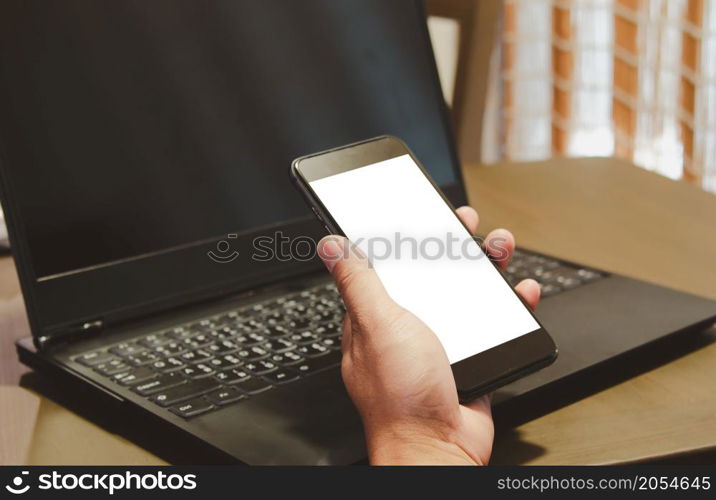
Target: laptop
[(145, 151)]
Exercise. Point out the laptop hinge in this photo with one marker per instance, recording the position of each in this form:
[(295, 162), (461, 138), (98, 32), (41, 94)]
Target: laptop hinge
[(85, 329)]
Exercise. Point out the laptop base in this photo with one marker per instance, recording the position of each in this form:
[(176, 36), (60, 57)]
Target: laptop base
[(597, 326)]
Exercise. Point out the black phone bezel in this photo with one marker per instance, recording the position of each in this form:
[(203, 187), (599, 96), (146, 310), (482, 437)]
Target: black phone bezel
[(480, 373)]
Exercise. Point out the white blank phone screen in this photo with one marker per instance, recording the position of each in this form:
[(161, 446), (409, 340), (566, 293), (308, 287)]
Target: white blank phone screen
[(426, 259)]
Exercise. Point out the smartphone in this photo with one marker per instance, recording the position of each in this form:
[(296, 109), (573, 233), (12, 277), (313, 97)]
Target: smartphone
[(378, 195)]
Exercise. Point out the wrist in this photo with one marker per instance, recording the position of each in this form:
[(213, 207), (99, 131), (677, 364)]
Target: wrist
[(411, 444)]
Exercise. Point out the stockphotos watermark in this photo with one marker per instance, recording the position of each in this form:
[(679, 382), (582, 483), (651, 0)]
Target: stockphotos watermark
[(100, 482), (280, 247)]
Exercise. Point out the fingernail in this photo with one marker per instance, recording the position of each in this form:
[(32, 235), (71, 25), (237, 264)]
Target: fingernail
[(330, 251)]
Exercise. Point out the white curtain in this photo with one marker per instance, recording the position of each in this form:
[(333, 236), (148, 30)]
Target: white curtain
[(630, 78)]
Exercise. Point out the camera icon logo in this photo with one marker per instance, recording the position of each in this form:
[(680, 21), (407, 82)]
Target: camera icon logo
[(17, 488), (223, 253)]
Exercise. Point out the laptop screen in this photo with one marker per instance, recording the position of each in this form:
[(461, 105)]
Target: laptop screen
[(129, 128)]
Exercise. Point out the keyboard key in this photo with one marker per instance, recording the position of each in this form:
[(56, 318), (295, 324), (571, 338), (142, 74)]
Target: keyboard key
[(244, 340), (196, 356), (312, 350), (277, 331), (255, 324), (225, 396), (142, 358), (534, 259), (223, 346), (119, 375), (331, 343), (204, 326), (300, 318), (299, 323), (549, 289), (171, 349), (324, 314), (159, 383), (547, 277), (224, 332), (198, 329), (188, 390), (232, 376), (281, 377), (127, 349), (181, 333), (306, 337), (588, 275), (516, 277), (330, 329), (256, 338), (94, 358), (191, 408), (223, 363), (273, 318), (198, 370), (112, 367), (332, 303), (253, 385), (232, 359), (328, 290), (252, 353), (548, 265), (278, 345), (205, 369), (297, 308), (197, 341), (260, 367), (134, 376), (286, 358), (216, 336), (317, 364), (568, 282), (288, 302), (229, 316), (167, 364), (154, 340)]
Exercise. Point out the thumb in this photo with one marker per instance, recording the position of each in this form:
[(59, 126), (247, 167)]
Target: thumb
[(359, 285)]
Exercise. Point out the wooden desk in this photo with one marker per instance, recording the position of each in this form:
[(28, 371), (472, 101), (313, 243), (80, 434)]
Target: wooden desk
[(601, 212), (611, 215)]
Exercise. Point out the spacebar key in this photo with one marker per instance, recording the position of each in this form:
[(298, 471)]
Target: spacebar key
[(185, 391), (314, 365)]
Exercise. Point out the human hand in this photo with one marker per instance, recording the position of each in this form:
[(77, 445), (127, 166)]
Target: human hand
[(396, 370)]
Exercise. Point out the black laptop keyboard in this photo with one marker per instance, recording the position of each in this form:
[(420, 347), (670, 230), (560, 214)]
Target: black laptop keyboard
[(553, 275), (209, 364)]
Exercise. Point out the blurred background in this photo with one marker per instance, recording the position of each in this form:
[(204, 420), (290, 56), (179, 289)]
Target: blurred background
[(534, 79)]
